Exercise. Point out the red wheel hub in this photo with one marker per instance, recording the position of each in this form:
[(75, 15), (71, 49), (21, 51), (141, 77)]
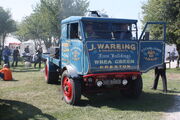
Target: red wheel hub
[(67, 88)]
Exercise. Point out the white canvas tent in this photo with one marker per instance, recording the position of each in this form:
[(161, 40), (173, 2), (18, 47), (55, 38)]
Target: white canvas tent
[(170, 48), (31, 45), (10, 39)]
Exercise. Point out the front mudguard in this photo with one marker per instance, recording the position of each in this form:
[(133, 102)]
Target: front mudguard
[(52, 67), (72, 72)]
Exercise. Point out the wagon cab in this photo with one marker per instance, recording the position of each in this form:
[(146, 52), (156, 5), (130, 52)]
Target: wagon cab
[(98, 53)]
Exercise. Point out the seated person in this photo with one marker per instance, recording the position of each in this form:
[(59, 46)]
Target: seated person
[(5, 73), (89, 31), (122, 32), (125, 34)]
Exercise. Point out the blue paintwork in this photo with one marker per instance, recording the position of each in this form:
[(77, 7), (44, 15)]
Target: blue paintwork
[(52, 67), (55, 61), (107, 55), (76, 55), (45, 56), (112, 56), (65, 53), (51, 59), (79, 18), (152, 52)]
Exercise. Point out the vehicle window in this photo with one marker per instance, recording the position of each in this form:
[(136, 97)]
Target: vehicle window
[(74, 31), (153, 32), (64, 31), (124, 31), (97, 30), (104, 30)]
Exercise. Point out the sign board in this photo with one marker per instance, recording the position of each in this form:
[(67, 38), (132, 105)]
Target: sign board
[(113, 55)]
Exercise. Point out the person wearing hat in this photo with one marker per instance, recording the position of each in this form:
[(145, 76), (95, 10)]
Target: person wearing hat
[(6, 73), (90, 31)]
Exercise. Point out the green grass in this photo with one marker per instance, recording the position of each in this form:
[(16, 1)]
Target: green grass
[(30, 98)]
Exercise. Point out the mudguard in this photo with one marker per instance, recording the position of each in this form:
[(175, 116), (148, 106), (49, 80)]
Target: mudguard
[(51, 66), (72, 72)]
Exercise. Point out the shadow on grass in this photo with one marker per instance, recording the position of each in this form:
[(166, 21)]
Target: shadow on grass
[(11, 80), (15, 110), (28, 70), (23, 69), (172, 91), (157, 102)]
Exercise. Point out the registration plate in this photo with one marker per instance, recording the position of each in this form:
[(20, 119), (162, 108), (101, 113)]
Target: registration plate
[(112, 82)]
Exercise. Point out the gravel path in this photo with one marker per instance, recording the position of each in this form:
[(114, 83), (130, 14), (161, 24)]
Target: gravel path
[(174, 112)]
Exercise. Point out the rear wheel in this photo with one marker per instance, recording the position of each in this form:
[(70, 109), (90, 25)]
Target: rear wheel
[(135, 88), (71, 89), (51, 77)]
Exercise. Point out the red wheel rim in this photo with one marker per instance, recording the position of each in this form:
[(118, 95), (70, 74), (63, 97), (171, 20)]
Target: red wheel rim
[(46, 71), (67, 88)]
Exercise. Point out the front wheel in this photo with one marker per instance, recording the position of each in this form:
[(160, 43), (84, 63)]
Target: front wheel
[(135, 88), (71, 89)]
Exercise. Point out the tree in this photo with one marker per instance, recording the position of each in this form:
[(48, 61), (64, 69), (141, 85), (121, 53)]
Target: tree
[(7, 24), (168, 11), (44, 23), (34, 27)]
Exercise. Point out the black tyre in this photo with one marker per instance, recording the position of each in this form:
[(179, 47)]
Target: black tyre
[(135, 88), (51, 77), (71, 89)]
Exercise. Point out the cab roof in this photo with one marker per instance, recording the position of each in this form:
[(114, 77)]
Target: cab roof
[(80, 18)]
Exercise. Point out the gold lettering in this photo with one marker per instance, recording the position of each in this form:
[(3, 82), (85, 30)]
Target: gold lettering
[(132, 61), (106, 67), (111, 67), (133, 47), (100, 46), (106, 46), (65, 44), (101, 67), (128, 66), (127, 46), (113, 46), (122, 46), (110, 47), (116, 66)]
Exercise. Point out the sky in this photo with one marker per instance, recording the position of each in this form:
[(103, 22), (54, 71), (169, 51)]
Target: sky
[(19, 8), (128, 9), (114, 8)]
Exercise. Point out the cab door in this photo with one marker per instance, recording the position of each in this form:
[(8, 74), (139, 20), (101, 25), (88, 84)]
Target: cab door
[(76, 47), (65, 46), (152, 46)]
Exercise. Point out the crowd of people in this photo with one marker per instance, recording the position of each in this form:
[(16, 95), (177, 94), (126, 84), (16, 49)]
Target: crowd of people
[(6, 53), (5, 72)]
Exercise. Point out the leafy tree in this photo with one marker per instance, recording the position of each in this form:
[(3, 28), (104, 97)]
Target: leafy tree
[(44, 23), (34, 28), (168, 11), (7, 24)]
